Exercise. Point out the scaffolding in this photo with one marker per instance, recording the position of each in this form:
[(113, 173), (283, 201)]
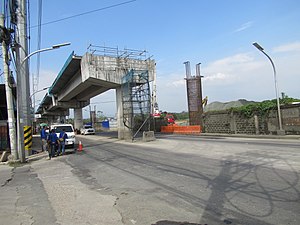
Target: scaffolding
[(136, 93), (136, 101), (118, 53)]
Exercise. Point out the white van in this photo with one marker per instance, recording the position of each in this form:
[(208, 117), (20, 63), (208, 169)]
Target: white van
[(70, 141)]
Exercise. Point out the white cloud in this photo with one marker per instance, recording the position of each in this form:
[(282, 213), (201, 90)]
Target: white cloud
[(216, 77), (291, 47), (176, 83), (229, 70), (244, 26), (222, 80), (233, 60)]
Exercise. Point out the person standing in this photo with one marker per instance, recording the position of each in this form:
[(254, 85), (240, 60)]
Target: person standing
[(44, 138), (62, 141), (53, 141)]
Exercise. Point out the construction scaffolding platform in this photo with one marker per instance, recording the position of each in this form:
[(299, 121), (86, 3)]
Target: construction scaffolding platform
[(136, 101)]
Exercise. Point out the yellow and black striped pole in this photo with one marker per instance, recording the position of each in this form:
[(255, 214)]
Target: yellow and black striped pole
[(27, 137)]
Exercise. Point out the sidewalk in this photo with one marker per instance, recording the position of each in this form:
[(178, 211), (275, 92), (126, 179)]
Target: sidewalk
[(292, 137), (53, 187), (37, 156), (36, 147)]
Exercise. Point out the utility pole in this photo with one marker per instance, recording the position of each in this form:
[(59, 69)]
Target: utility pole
[(23, 53), (23, 90), (5, 40)]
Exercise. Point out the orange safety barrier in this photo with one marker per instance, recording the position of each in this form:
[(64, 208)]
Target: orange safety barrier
[(167, 129), (195, 129)]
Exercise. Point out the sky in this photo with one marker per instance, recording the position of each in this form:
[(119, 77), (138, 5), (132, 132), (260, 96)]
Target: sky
[(216, 33)]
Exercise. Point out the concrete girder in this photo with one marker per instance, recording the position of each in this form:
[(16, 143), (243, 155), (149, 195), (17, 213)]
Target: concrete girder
[(56, 113), (73, 104), (71, 88), (84, 91), (112, 69)]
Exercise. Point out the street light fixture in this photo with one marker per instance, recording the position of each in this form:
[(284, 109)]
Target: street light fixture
[(281, 131), (45, 88), (46, 49), (32, 101)]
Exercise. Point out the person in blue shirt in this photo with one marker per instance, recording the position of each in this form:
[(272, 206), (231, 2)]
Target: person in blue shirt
[(62, 141), (53, 141), (44, 139)]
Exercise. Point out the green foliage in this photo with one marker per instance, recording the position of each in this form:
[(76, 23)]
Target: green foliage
[(85, 121), (181, 116), (262, 108), (70, 120)]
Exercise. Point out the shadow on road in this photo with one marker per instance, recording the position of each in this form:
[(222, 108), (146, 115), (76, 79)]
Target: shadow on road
[(247, 189), (234, 188)]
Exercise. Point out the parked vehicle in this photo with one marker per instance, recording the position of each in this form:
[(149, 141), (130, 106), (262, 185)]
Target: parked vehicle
[(70, 141), (87, 129), (170, 119)]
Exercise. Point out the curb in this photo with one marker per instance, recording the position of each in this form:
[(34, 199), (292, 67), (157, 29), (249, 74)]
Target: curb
[(30, 158), (37, 156), (286, 137)]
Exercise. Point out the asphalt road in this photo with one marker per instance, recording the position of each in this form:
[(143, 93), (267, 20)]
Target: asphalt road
[(175, 180), (201, 180)]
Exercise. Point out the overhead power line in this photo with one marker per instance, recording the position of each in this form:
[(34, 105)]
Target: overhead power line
[(85, 13)]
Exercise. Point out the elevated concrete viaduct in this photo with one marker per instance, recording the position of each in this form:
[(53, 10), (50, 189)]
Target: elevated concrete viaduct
[(84, 77)]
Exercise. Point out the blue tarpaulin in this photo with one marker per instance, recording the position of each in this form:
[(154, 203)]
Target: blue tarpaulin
[(105, 124)]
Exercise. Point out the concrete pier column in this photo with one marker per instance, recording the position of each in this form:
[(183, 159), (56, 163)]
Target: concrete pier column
[(78, 122), (123, 131), (62, 119), (53, 119)]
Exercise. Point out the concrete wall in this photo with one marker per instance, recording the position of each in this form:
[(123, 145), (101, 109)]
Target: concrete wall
[(234, 123), (218, 122), (291, 119)]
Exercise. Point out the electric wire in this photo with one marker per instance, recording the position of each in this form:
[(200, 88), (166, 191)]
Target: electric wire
[(85, 13), (5, 11), (28, 22), (37, 77)]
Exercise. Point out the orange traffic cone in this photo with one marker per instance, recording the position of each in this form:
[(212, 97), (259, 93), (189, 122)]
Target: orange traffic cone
[(80, 146)]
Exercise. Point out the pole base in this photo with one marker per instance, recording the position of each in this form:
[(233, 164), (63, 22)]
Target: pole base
[(281, 132)]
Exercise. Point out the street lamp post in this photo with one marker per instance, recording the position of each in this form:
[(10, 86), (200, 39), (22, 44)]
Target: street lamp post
[(20, 103), (32, 106), (281, 131), (45, 49), (32, 95), (45, 88)]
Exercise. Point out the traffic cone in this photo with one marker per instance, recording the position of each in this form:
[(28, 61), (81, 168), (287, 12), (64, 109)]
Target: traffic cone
[(80, 146)]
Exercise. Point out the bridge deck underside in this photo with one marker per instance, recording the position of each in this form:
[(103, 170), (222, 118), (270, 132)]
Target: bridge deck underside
[(81, 79)]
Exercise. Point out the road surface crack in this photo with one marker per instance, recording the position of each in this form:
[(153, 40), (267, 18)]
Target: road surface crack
[(9, 179)]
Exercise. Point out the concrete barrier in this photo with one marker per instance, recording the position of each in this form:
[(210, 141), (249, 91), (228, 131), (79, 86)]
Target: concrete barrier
[(4, 156), (148, 136)]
